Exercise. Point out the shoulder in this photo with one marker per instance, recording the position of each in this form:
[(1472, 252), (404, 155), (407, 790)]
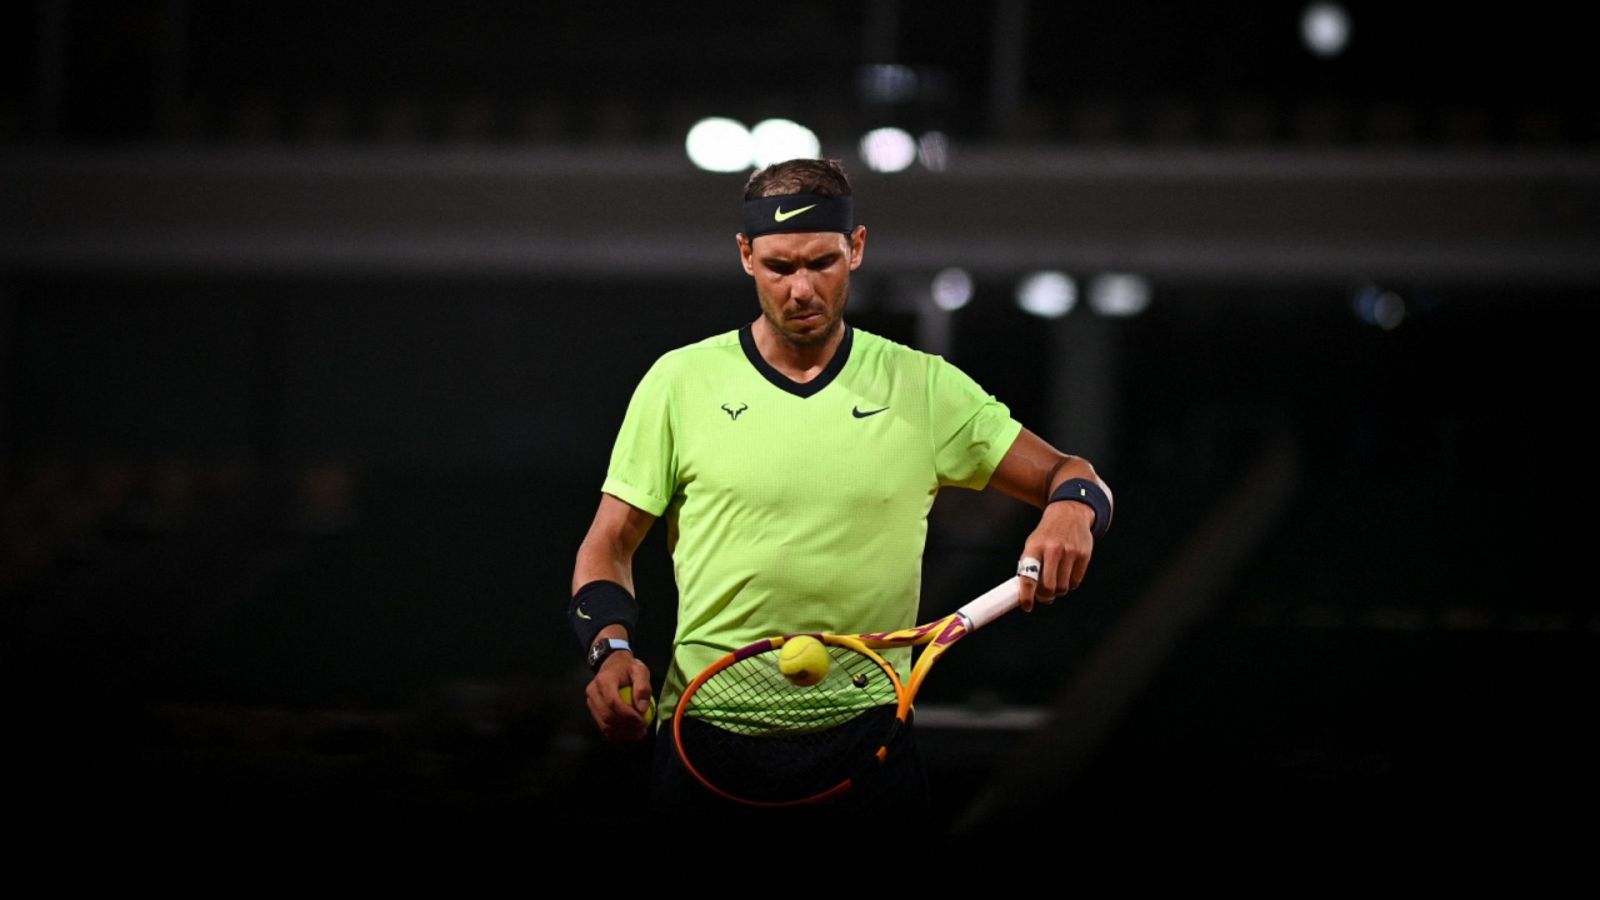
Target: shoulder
[(883, 353), (696, 355), (879, 348), (945, 382), (718, 342), (867, 342)]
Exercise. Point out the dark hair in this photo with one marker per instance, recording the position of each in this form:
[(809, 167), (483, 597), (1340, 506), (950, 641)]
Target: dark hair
[(823, 177)]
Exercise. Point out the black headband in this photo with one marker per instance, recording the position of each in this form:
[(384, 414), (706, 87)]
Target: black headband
[(798, 212)]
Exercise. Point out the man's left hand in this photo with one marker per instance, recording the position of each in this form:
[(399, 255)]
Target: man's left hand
[(1063, 544)]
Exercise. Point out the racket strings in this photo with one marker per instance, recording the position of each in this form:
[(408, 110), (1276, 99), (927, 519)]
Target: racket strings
[(752, 697)]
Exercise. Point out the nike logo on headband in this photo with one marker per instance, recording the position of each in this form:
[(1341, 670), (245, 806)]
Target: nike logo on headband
[(778, 215)]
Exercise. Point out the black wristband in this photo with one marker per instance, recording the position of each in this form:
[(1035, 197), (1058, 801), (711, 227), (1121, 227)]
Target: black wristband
[(598, 604), (1088, 493)]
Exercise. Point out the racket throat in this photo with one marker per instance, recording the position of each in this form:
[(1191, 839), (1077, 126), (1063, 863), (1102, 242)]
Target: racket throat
[(892, 740)]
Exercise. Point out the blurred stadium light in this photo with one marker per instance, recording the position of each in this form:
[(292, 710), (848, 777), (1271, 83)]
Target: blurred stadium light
[(952, 289), (720, 144), (1049, 295), (1325, 28), (775, 140), (888, 149), (1119, 295)]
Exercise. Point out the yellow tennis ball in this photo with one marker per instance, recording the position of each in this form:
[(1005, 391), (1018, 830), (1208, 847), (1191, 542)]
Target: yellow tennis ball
[(803, 660), (627, 697)]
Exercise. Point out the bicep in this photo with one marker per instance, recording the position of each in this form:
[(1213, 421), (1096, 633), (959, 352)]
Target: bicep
[(1029, 469), (607, 552), (620, 524)]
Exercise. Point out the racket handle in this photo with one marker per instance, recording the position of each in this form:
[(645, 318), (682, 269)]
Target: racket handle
[(994, 603)]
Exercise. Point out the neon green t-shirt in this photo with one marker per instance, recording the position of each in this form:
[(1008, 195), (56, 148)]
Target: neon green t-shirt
[(798, 507)]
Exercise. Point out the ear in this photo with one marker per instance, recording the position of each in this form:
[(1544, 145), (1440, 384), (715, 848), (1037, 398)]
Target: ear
[(744, 254), (858, 246)]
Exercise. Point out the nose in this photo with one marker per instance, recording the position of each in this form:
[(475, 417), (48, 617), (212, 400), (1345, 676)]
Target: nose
[(800, 287)]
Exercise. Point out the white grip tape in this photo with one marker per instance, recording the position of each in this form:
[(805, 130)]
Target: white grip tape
[(994, 603)]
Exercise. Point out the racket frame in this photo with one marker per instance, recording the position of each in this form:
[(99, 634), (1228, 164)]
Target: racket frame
[(936, 636)]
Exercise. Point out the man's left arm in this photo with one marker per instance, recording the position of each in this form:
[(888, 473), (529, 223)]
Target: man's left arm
[(1033, 471)]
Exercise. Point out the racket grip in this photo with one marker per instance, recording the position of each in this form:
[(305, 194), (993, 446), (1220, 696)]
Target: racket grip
[(994, 603)]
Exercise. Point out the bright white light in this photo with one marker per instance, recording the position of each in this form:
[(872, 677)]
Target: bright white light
[(888, 150), (720, 145), (934, 151), (1325, 27), (952, 289), (1116, 294), (779, 139), (1048, 294)]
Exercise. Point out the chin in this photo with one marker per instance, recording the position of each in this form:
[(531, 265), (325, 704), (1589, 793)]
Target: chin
[(812, 338)]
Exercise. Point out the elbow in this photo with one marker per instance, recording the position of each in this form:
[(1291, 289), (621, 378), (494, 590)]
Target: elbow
[(1068, 467)]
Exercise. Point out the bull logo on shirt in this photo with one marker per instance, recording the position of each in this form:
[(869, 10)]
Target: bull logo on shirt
[(734, 411)]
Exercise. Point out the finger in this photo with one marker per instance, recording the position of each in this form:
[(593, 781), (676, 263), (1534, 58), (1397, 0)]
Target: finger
[(1055, 580), (626, 725), (641, 688), (596, 696), (1080, 568), (1065, 569), (604, 716), (624, 704), (631, 727), (1028, 568), (1068, 574), (615, 717), (1042, 589)]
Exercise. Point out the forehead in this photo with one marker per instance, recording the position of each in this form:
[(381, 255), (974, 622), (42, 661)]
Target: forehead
[(800, 245)]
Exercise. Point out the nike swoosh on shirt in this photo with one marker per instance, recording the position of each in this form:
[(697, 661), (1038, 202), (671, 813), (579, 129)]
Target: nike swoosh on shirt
[(778, 215), (856, 411)]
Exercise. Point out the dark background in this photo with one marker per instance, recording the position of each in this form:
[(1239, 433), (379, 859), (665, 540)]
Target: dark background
[(317, 321)]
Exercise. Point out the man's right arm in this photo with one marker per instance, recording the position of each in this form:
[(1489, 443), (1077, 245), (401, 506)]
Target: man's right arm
[(607, 555)]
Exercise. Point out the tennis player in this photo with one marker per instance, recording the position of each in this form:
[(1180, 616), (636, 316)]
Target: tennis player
[(795, 460)]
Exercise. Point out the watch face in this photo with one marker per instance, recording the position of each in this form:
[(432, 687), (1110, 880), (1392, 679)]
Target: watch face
[(602, 648)]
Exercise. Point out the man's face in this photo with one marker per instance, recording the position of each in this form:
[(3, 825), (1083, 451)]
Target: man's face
[(803, 280)]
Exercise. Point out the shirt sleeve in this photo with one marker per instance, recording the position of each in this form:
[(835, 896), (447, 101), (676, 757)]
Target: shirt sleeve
[(644, 462), (972, 431)]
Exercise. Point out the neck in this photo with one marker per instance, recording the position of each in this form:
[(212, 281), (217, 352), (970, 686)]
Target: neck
[(797, 362)]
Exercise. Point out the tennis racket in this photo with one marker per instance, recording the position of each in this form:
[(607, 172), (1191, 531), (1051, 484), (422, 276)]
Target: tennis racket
[(748, 733)]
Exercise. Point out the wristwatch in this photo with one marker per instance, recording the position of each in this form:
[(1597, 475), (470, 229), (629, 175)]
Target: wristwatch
[(604, 647)]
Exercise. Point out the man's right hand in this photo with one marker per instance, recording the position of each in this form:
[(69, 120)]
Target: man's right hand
[(617, 720)]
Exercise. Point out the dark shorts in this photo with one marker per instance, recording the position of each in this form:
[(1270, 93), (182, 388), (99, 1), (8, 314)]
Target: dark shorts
[(681, 805)]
